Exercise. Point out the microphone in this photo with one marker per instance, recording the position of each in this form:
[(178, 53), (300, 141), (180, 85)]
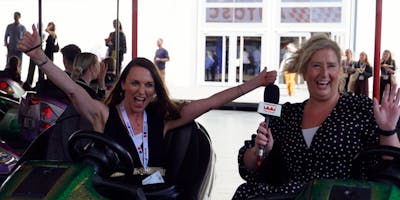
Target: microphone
[(269, 107)]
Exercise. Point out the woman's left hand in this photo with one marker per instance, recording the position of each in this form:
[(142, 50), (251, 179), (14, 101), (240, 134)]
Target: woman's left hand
[(387, 114)]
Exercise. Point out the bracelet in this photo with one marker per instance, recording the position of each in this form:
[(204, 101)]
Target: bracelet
[(43, 63), (33, 48), (379, 131)]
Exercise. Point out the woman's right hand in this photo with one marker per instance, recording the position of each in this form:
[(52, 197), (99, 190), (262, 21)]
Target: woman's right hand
[(264, 138)]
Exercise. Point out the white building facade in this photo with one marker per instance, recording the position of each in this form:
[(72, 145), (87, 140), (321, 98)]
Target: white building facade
[(230, 28), (233, 27)]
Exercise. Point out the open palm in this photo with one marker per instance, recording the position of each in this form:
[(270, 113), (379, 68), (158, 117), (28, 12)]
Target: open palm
[(387, 114)]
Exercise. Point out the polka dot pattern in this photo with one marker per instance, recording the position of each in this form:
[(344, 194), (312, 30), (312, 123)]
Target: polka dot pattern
[(348, 130)]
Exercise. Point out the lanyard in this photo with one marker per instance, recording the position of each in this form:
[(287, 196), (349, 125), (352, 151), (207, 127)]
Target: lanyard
[(143, 152)]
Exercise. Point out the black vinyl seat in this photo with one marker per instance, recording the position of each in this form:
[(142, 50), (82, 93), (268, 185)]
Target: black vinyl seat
[(190, 167)]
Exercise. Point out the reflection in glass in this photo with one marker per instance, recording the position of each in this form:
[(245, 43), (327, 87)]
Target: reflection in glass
[(234, 15), (227, 1), (311, 1), (311, 15), (326, 15), (219, 1), (251, 57), (213, 58), (295, 15)]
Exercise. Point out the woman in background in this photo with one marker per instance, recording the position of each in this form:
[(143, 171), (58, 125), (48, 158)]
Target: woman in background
[(111, 44), (51, 41), (388, 68), (363, 71)]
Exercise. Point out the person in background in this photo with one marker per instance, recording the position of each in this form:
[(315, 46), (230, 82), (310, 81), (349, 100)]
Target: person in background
[(363, 71), (247, 67), (69, 53), (257, 59), (388, 68), (214, 66), (138, 112), (209, 61), (51, 41), (290, 78), (111, 43), (13, 34), (161, 57), (347, 67), (309, 138), (12, 70), (86, 69), (109, 78)]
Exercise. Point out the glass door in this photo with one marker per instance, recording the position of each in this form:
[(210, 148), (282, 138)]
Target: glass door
[(232, 59)]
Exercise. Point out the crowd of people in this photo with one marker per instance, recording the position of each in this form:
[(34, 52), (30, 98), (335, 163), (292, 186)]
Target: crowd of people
[(356, 73), (135, 109)]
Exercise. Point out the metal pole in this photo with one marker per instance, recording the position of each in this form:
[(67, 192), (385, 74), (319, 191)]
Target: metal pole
[(377, 64), (134, 27), (117, 41), (355, 25), (40, 19)]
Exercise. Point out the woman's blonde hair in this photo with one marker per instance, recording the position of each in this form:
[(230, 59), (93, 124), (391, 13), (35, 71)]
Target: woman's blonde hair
[(82, 63), (298, 62)]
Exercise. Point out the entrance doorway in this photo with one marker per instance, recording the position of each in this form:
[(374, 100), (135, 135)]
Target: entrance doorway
[(231, 59)]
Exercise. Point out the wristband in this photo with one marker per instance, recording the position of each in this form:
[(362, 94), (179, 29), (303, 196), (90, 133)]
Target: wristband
[(379, 131), (43, 63), (33, 48)]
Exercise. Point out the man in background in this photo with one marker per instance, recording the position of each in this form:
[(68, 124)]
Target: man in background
[(69, 53), (13, 34), (161, 58)]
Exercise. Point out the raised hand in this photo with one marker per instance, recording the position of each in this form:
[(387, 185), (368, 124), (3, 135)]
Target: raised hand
[(387, 114), (267, 77), (30, 43)]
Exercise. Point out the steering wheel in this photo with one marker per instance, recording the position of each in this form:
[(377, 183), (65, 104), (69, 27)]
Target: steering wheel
[(101, 151), (387, 170)]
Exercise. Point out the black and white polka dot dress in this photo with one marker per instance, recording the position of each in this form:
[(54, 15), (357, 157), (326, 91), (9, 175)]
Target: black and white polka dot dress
[(348, 130)]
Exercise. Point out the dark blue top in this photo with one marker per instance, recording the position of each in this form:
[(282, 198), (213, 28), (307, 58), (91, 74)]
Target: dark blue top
[(161, 53)]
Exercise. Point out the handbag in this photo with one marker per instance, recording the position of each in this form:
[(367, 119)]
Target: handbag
[(56, 48)]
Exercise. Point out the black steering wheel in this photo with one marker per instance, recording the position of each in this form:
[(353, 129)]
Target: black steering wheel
[(101, 151), (387, 170)]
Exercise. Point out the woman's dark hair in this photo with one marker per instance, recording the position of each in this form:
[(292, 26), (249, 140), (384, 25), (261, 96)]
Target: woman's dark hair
[(162, 102), (53, 26)]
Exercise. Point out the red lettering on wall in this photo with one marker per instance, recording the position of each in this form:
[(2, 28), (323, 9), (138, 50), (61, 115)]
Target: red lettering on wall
[(239, 13), (251, 13), (214, 12), (235, 14), (226, 13)]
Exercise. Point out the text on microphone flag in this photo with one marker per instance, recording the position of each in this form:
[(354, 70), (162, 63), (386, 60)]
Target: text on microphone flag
[(269, 109)]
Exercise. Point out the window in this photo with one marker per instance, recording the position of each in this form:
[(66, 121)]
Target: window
[(311, 11), (234, 11)]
